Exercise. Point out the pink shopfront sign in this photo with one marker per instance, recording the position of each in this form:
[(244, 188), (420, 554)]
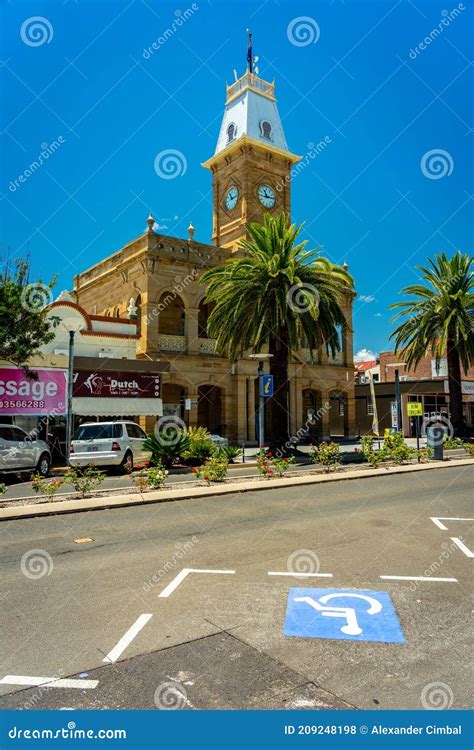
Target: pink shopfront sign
[(20, 395)]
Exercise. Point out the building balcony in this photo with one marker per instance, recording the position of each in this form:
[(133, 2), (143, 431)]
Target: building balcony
[(207, 346), (169, 343)]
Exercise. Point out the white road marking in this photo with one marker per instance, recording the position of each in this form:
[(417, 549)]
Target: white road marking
[(18, 679), (418, 578), (127, 639), (185, 572), (301, 575), (438, 519), (462, 546)]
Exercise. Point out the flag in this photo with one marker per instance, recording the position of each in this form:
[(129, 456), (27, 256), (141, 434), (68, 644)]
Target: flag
[(249, 53), (375, 419)]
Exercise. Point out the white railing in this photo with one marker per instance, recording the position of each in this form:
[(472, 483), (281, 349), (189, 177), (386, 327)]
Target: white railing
[(338, 359), (172, 343)]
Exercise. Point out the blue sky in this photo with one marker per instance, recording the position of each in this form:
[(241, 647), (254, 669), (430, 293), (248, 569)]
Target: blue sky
[(375, 196)]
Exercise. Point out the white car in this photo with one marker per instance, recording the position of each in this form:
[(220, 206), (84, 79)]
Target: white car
[(220, 442), (19, 452), (118, 444)]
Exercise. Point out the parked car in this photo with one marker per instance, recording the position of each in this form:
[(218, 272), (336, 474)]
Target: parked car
[(118, 444), (19, 452)]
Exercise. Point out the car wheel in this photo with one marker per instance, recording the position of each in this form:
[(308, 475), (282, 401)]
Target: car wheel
[(127, 463), (43, 464)]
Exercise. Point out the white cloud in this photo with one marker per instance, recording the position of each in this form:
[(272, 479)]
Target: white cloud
[(364, 355), (378, 315), (366, 298)]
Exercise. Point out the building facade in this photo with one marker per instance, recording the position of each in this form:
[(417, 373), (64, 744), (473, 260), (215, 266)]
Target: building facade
[(251, 174)]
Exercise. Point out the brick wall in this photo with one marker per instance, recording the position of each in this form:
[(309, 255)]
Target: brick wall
[(422, 372)]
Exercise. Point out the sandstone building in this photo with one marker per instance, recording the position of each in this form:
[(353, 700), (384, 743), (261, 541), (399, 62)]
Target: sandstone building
[(251, 174)]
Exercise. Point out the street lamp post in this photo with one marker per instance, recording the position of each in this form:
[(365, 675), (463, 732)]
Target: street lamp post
[(70, 378), (261, 357)]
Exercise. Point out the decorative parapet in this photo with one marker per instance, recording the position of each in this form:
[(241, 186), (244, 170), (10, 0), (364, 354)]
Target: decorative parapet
[(172, 343), (338, 359), (207, 346)]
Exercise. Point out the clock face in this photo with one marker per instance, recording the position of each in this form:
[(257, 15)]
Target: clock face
[(231, 198), (266, 196)]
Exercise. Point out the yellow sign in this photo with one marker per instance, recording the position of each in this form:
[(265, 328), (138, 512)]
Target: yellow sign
[(415, 409)]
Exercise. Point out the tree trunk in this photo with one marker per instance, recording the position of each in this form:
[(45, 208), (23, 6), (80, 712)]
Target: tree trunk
[(279, 402), (455, 391)]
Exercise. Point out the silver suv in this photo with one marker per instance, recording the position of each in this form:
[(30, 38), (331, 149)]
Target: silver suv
[(118, 444), (19, 452)]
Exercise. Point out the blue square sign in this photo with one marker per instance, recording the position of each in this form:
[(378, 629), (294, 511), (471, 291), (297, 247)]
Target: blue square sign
[(342, 614)]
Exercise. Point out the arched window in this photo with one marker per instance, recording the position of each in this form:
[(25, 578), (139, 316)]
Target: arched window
[(231, 132), (205, 310), (172, 316), (266, 130)]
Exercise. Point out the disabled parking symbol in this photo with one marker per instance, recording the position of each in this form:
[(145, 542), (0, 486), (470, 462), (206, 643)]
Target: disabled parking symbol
[(342, 614)]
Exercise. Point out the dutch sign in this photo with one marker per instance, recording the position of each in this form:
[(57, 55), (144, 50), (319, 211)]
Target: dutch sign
[(267, 385), (415, 409), (45, 394), (342, 614), (102, 384)]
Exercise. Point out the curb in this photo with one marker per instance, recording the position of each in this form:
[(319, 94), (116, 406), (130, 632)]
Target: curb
[(118, 501)]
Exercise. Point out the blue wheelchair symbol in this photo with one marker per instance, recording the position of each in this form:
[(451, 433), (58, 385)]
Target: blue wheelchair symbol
[(342, 614)]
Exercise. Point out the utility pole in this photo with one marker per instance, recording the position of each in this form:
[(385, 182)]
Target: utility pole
[(70, 378)]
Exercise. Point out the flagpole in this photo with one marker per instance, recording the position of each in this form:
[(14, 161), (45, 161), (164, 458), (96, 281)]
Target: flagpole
[(249, 52)]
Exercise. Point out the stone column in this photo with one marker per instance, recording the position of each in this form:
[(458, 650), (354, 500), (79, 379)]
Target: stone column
[(192, 414), (239, 408), (325, 416), (191, 330), (350, 430)]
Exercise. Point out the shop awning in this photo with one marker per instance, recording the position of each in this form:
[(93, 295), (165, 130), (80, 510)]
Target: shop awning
[(117, 407)]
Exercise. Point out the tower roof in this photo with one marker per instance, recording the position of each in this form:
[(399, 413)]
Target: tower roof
[(251, 111)]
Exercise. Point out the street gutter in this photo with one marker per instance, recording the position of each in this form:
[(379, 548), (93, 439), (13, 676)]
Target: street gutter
[(160, 496)]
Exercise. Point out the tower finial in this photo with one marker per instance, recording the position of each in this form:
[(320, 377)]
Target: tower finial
[(249, 52)]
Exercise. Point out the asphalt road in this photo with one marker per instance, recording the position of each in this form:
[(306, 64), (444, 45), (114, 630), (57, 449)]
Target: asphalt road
[(216, 639)]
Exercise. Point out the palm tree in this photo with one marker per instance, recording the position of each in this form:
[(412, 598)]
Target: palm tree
[(440, 320), (277, 294)]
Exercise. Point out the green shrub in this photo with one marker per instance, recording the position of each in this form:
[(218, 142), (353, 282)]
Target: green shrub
[(83, 479), (200, 446), (327, 454), (230, 452), (453, 442), (273, 466), (141, 481), (374, 457), (46, 487), (166, 447), (3, 488), (397, 450), (214, 470), (157, 476)]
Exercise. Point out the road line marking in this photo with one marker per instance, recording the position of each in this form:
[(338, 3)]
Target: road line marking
[(185, 572), (126, 639), (437, 521), (301, 575), (418, 578), (462, 546), (18, 679)]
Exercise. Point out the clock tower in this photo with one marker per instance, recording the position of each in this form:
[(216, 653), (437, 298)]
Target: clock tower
[(251, 166)]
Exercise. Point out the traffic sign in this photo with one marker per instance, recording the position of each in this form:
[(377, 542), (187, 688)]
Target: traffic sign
[(342, 614), (267, 385), (415, 409)]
